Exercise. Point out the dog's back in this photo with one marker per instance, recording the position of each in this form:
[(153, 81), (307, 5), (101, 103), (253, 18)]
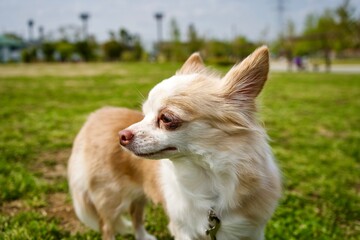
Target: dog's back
[(106, 181)]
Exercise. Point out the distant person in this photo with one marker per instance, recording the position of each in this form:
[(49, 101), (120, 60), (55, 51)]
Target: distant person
[(299, 63)]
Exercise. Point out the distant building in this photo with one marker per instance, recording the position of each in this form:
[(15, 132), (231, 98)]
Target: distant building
[(10, 49)]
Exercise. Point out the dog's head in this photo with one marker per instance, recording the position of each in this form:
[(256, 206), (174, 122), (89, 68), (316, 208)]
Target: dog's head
[(198, 112)]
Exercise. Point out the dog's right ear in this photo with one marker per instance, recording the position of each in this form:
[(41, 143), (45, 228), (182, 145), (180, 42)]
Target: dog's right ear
[(194, 64), (245, 80)]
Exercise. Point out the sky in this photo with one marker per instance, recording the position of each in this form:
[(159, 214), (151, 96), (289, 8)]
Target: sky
[(221, 19)]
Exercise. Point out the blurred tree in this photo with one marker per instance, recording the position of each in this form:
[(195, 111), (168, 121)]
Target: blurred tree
[(125, 37), (134, 50), (175, 48), (335, 30), (320, 34), (28, 55), (348, 26), (65, 50), (219, 52), (174, 30), (242, 47), (13, 36), (306, 45), (125, 46), (287, 47), (194, 42), (49, 49), (138, 49), (112, 50), (86, 49)]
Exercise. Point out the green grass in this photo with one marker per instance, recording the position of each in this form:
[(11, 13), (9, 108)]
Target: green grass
[(312, 119)]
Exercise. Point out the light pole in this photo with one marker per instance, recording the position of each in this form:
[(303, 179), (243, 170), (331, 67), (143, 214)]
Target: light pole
[(159, 16), (30, 27), (84, 18), (41, 33)]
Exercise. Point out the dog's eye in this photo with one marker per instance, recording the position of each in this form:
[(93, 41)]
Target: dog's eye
[(169, 122), (165, 118)]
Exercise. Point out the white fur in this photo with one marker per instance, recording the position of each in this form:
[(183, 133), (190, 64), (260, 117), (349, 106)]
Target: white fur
[(191, 189)]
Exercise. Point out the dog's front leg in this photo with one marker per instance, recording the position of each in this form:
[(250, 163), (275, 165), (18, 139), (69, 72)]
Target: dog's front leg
[(107, 231), (177, 233), (137, 214)]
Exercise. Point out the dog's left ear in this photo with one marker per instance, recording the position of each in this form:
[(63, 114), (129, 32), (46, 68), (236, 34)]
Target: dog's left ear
[(245, 80), (194, 64)]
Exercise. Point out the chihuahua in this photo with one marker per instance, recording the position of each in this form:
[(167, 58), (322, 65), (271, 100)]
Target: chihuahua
[(198, 149)]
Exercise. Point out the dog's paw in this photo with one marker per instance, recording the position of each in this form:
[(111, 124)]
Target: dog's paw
[(142, 234), (147, 236)]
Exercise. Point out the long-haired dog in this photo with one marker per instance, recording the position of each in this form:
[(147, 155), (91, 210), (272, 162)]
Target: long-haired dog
[(216, 178)]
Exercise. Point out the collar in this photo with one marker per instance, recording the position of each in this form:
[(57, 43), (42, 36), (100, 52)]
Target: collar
[(214, 224)]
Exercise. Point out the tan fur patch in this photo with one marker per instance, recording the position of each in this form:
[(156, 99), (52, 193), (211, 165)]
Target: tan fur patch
[(247, 79), (194, 64)]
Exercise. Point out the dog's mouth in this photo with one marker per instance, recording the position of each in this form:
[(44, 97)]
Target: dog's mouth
[(156, 153)]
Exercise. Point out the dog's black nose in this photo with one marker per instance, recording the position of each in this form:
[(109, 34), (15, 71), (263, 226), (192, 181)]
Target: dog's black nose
[(125, 137)]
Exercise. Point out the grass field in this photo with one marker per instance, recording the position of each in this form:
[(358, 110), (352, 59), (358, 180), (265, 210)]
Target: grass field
[(313, 120)]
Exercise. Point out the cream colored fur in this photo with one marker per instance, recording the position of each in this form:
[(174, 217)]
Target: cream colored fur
[(214, 155)]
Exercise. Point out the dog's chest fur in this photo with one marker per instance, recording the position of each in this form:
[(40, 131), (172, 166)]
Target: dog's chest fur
[(192, 188)]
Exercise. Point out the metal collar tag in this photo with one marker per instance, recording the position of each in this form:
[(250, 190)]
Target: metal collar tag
[(214, 224)]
